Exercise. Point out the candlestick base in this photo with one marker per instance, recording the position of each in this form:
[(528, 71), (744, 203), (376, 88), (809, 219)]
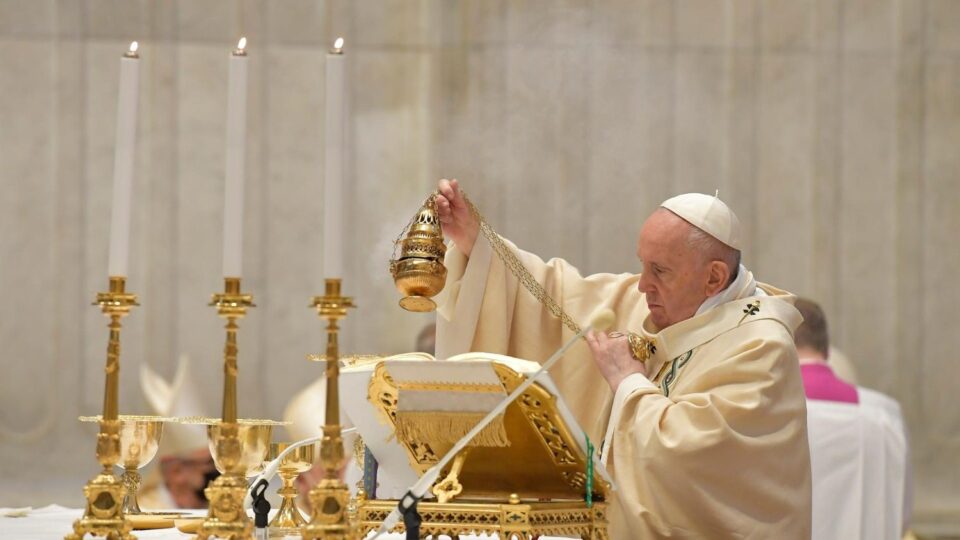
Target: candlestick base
[(329, 500), (104, 513), (226, 517)]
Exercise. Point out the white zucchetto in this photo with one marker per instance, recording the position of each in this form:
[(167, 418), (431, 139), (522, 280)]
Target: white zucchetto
[(709, 214)]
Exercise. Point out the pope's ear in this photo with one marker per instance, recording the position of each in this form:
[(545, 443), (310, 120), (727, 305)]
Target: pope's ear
[(719, 275)]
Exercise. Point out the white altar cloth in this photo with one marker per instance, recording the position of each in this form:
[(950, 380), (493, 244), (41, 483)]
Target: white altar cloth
[(53, 522)]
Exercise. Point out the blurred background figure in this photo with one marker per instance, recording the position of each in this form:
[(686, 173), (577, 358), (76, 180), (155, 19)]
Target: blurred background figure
[(181, 480), (185, 464), (813, 350), (859, 453)]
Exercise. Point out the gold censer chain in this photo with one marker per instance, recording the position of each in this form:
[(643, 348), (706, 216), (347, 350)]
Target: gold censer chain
[(640, 348), (520, 271)]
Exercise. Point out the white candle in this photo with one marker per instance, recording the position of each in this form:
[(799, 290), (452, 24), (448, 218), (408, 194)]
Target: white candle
[(235, 155), (333, 225), (123, 159)]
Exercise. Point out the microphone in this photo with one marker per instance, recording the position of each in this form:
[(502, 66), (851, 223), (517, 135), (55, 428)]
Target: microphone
[(271, 469), (261, 512), (601, 321)]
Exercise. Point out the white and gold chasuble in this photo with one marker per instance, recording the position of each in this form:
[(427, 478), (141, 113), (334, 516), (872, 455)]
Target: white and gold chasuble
[(713, 445)]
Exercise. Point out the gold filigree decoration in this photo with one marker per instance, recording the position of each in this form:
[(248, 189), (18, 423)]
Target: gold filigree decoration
[(553, 433), (521, 521), (575, 478)]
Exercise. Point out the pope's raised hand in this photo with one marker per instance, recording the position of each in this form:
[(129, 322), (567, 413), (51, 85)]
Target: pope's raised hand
[(459, 224), (613, 358)]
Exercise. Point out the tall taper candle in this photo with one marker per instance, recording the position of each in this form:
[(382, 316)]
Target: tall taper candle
[(333, 225), (236, 154), (123, 159)]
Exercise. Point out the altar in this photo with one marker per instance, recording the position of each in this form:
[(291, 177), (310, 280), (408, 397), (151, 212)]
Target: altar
[(49, 522)]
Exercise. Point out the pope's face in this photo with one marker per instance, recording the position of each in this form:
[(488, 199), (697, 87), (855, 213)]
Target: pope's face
[(674, 277)]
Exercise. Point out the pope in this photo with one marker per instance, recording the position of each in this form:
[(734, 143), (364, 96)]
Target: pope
[(697, 396)]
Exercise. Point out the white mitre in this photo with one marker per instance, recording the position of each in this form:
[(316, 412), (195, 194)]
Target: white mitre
[(178, 398), (709, 214)]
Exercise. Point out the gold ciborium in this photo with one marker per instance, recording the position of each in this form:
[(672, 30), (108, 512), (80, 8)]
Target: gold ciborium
[(139, 441), (418, 270), (289, 519)]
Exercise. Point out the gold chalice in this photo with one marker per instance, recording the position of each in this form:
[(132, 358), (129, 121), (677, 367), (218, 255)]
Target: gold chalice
[(254, 436), (289, 519), (139, 441)]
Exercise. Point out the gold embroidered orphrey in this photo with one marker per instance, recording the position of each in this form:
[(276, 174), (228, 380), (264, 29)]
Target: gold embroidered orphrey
[(535, 486)]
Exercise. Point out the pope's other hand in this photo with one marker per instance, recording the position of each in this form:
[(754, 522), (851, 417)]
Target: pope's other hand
[(613, 358)]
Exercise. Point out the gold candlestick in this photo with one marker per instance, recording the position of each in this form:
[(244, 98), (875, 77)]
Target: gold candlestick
[(104, 515), (226, 517), (330, 497)]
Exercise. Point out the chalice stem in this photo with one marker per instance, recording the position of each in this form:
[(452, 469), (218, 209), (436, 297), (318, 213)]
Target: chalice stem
[(131, 484), (289, 516)]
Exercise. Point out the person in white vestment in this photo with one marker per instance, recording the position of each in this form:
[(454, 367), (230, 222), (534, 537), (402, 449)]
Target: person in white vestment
[(859, 453)]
